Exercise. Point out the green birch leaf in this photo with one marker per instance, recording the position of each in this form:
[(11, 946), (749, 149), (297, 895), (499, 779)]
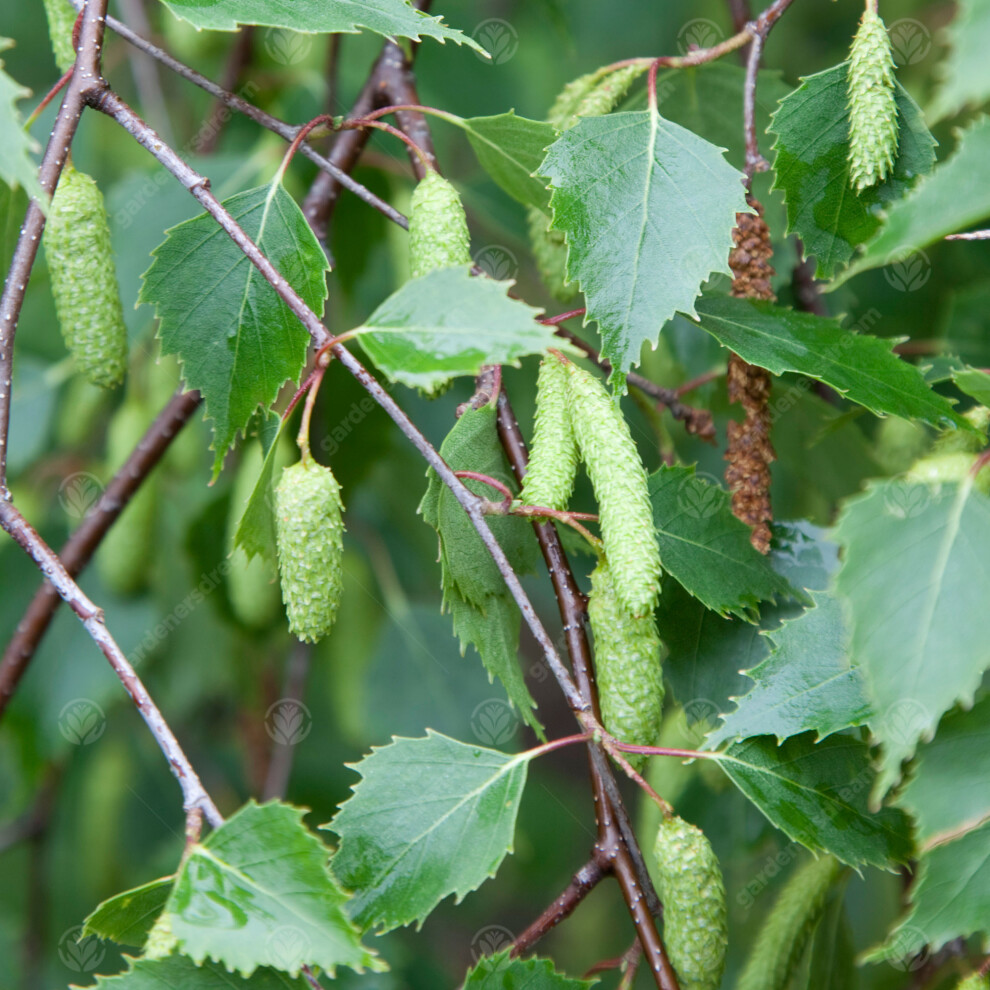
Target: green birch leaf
[(391, 18), (816, 793), (974, 382), (499, 972), (706, 548), (637, 195), (17, 167), (952, 198), (511, 149), (237, 341), (811, 167), (255, 532), (949, 899), (430, 817), (449, 323), (257, 892), (914, 581), (128, 917), (805, 683), (862, 367), (965, 81), (177, 972), (949, 790)]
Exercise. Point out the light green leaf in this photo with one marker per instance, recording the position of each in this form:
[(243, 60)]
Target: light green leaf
[(449, 323), (391, 18), (128, 917), (237, 341), (806, 682), (510, 149), (499, 972), (706, 548), (483, 610), (181, 973), (637, 195), (914, 579), (950, 898), (257, 892), (817, 794), (255, 532), (16, 165), (862, 367), (949, 790), (954, 196), (965, 81), (811, 167), (974, 382), (430, 817)]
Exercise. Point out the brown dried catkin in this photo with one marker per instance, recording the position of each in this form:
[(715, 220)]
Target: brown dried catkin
[(749, 451)]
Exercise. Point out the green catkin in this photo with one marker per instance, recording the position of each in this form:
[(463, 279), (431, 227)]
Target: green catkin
[(128, 547), (586, 96), (789, 925), (627, 666), (553, 458), (251, 585), (619, 480), (310, 540), (692, 892), (438, 231), (84, 280), (975, 981), (61, 22), (872, 104)]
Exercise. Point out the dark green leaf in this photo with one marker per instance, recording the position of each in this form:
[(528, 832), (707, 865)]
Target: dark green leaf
[(862, 367), (256, 530), (499, 972), (430, 817), (449, 323), (128, 917), (637, 196), (237, 341), (391, 18), (181, 973), (965, 81), (806, 682), (257, 892), (706, 548), (817, 794), (913, 577), (812, 168), (16, 165)]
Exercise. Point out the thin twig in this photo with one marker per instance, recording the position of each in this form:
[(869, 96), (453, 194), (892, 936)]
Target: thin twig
[(755, 162), (145, 72), (194, 795), (970, 235), (80, 547)]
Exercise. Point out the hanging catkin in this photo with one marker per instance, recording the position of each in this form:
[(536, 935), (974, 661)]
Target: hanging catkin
[(749, 451)]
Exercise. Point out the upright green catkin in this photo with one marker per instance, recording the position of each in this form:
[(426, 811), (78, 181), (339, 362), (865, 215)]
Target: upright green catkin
[(692, 892), (438, 231), (627, 666), (872, 104), (619, 480), (553, 456), (310, 538), (84, 280), (975, 981), (789, 925), (61, 22)]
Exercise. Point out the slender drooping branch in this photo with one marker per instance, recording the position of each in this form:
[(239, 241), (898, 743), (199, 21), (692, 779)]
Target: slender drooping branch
[(755, 162), (80, 547), (193, 792)]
